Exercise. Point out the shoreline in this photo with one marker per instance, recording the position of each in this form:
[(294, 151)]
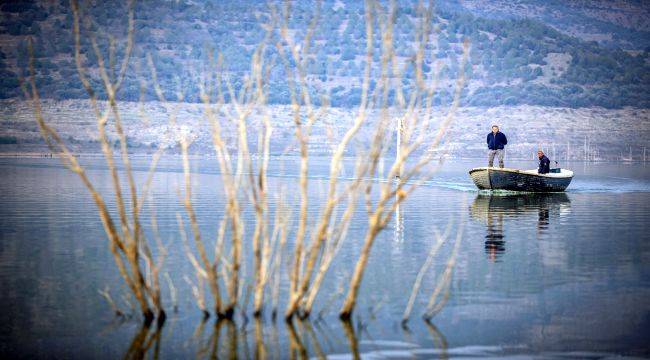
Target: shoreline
[(594, 134), (44, 155)]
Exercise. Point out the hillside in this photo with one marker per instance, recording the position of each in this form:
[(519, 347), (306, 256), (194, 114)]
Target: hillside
[(576, 134), (615, 24), (513, 61)]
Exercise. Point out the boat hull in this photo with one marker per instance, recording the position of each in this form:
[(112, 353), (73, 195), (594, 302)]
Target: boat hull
[(488, 178)]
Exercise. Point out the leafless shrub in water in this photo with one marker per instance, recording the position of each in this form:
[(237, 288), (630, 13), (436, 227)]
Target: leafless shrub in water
[(412, 112), (128, 244), (405, 120)]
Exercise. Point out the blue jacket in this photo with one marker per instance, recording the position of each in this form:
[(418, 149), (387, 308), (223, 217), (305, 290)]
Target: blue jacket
[(544, 165), (496, 142)]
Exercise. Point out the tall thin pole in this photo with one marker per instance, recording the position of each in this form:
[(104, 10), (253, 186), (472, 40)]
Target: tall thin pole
[(553, 147), (399, 141), (398, 154), (630, 153)]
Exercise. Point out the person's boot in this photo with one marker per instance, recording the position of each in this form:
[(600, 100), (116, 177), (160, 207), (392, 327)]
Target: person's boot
[(501, 165), (490, 164)]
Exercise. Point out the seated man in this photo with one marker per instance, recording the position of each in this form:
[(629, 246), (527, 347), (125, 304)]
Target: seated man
[(544, 163)]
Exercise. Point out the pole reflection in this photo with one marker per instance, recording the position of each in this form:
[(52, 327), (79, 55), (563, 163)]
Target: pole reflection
[(398, 230), (495, 210)]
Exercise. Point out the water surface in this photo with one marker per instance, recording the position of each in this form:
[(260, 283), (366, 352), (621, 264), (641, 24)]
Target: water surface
[(557, 275)]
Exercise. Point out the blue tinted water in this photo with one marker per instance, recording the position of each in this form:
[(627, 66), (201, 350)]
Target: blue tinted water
[(560, 275)]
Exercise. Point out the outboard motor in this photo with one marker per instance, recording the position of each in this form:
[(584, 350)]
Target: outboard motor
[(556, 170)]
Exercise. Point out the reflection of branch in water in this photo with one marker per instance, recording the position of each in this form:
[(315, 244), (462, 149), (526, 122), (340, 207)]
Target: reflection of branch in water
[(143, 340), (260, 347), (425, 266), (244, 339), (348, 328), (136, 349), (305, 327), (198, 336), (276, 340), (296, 346), (231, 338), (443, 283), (212, 347), (327, 334), (214, 340), (227, 339), (439, 340)]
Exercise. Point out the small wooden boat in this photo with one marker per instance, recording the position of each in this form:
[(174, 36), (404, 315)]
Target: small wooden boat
[(491, 178)]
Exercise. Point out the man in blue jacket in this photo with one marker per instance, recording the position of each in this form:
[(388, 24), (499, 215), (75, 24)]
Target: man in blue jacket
[(496, 141), (544, 163)]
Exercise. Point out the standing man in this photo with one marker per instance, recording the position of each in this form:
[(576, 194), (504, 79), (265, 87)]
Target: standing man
[(544, 163), (496, 140)]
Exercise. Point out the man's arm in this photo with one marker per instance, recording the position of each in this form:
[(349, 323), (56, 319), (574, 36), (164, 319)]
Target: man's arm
[(488, 139), (505, 139)]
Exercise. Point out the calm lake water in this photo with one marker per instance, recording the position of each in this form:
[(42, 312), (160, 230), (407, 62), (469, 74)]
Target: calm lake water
[(558, 275)]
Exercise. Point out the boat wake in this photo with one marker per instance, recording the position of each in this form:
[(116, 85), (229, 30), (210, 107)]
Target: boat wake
[(578, 186)]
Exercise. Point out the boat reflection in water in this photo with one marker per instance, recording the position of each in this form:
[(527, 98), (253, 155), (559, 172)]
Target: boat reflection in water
[(493, 209)]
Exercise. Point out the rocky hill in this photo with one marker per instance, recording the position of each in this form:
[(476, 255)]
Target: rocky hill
[(514, 60)]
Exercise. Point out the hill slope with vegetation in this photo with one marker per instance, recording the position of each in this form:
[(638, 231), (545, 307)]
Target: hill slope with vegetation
[(513, 61), (615, 24)]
